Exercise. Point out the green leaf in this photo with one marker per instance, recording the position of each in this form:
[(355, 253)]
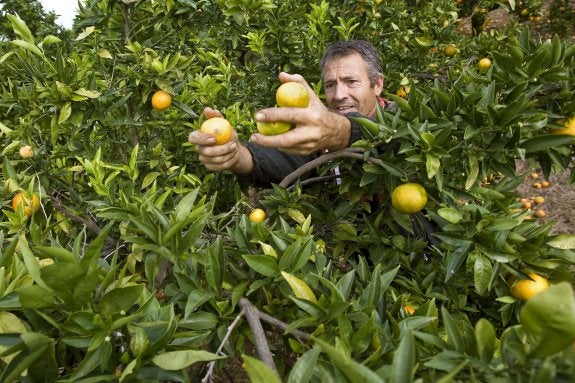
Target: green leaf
[(263, 264), (302, 371), (545, 142), (563, 241), (119, 299), (259, 372), (482, 272), (485, 339), (177, 360), (404, 359), (354, 371), (450, 214), (548, 319)]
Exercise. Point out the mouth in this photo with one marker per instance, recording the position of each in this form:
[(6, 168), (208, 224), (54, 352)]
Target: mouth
[(344, 109)]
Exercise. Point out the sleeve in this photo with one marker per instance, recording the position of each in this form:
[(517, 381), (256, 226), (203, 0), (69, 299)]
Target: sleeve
[(270, 166)]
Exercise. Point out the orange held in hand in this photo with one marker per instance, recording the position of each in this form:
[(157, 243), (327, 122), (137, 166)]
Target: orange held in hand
[(292, 94), (161, 100), (218, 127)]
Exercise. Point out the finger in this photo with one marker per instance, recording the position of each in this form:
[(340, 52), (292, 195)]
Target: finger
[(214, 151), (198, 138), (210, 112)]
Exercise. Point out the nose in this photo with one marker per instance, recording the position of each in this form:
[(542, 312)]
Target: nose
[(340, 92)]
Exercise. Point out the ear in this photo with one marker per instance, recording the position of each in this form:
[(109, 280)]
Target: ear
[(378, 86)]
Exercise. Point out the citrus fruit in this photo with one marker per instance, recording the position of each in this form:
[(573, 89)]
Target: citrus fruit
[(568, 128), (538, 200), (218, 127), (403, 91), (30, 204), (26, 152), (526, 288), (161, 100), (484, 63), (257, 215), (292, 94), (540, 213), (409, 309), (409, 198), (450, 50), (273, 128)]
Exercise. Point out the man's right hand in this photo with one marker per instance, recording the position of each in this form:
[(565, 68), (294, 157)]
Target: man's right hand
[(231, 156)]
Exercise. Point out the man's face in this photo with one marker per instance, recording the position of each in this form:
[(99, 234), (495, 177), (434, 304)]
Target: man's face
[(347, 86)]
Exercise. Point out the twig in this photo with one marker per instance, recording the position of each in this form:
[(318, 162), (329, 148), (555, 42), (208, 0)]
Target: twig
[(355, 153), (212, 364), (253, 317), (90, 225)]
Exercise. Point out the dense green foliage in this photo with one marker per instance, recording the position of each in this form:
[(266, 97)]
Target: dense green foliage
[(152, 258)]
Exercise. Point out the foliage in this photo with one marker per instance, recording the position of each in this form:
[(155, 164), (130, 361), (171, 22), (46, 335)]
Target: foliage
[(142, 266)]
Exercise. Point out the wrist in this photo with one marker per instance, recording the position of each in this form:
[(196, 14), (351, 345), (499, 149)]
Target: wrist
[(244, 161)]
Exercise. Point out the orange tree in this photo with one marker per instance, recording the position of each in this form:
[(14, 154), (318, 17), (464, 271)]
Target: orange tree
[(142, 266)]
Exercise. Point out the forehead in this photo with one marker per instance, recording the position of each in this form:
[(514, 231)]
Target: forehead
[(345, 67)]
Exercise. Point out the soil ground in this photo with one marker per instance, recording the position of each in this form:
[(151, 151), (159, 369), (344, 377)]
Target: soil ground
[(559, 205)]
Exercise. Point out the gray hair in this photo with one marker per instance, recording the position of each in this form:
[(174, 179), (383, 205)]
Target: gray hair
[(366, 50)]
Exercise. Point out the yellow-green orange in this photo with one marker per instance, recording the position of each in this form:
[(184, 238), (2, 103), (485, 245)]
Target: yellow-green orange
[(484, 63), (292, 94), (273, 128), (257, 215), (409, 198)]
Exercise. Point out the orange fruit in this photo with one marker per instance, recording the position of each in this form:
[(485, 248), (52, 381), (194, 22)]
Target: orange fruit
[(218, 127), (30, 204), (568, 128), (26, 152), (408, 309), (525, 12), (450, 50), (545, 184), (293, 95), (537, 185), (403, 91), (526, 288), (273, 128), (161, 100), (257, 215), (526, 204), (484, 64), (540, 213), (538, 200), (409, 198), (534, 175)]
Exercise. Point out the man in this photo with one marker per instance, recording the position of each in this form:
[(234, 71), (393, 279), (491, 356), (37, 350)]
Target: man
[(353, 80)]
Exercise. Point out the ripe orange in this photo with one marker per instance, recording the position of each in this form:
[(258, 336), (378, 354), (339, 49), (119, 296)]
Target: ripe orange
[(403, 91), (273, 128), (26, 152), (568, 127), (161, 100), (257, 215), (450, 50), (409, 198), (218, 127), (292, 94), (545, 184), (538, 200), (540, 213), (526, 288), (30, 204), (484, 64)]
